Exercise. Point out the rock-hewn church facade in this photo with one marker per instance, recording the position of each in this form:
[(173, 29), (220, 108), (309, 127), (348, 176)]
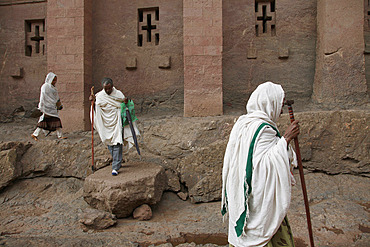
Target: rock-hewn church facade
[(196, 57)]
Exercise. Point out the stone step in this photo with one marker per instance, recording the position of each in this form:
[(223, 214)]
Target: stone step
[(137, 183)]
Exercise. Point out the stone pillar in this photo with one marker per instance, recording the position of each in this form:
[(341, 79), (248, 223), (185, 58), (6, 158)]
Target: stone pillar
[(69, 55), (202, 22), (340, 66)]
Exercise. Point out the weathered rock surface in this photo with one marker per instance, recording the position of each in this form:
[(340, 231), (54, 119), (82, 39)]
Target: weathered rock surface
[(99, 240), (186, 153), (173, 183), (339, 206), (335, 142), (10, 166), (64, 158), (96, 219), (183, 196), (201, 172), (137, 183), (329, 142), (41, 207), (144, 212), (176, 137)]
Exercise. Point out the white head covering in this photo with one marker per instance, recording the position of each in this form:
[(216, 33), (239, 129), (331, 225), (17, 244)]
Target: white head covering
[(266, 102), (49, 97), (50, 77)]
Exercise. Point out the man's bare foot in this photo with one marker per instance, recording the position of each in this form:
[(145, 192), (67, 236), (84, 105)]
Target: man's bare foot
[(34, 137), (63, 137)]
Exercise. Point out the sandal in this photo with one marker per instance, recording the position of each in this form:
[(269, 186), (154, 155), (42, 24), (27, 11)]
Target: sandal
[(34, 137), (63, 137)]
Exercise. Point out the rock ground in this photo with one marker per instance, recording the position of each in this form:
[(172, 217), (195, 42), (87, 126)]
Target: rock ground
[(43, 209)]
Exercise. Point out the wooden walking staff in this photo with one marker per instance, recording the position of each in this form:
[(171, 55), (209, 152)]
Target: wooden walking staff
[(289, 103), (92, 130)]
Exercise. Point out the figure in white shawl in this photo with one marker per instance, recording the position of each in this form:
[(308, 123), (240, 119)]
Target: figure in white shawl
[(108, 121), (256, 175), (49, 105)]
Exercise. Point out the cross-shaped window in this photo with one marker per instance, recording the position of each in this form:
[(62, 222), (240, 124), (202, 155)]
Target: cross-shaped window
[(35, 37), (148, 28), (265, 17)]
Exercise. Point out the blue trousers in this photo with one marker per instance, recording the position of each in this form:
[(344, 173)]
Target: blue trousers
[(116, 152)]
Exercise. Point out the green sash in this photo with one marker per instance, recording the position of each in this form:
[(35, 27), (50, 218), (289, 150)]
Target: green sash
[(241, 221)]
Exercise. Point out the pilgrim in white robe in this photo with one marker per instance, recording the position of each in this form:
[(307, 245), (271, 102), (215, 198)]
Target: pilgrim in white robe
[(258, 201), (49, 98), (107, 116)]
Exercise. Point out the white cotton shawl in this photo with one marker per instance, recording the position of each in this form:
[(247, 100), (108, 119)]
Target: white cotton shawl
[(107, 116), (48, 97), (269, 200)]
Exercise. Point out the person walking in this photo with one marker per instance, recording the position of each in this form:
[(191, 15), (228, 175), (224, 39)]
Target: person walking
[(256, 174), (50, 106), (108, 121)]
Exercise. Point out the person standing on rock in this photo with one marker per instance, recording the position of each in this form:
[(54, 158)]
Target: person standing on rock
[(49, 105), (256, 175), (108, 121)]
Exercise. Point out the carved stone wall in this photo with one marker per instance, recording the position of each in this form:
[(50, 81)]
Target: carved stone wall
[(340, 64), (192, 58), (267, 40), (202, 58), (22, 68), (139, 45), (70, 57)]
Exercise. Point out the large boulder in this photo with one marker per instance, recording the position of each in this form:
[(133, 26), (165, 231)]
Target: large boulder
[(177, 137), (201, 172), (137, 183)]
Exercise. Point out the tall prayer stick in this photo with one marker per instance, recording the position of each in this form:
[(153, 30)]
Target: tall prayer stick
[(300, 166), (92, 131)]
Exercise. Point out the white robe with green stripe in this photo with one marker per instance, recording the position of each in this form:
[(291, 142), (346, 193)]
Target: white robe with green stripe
[(254, 218)]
